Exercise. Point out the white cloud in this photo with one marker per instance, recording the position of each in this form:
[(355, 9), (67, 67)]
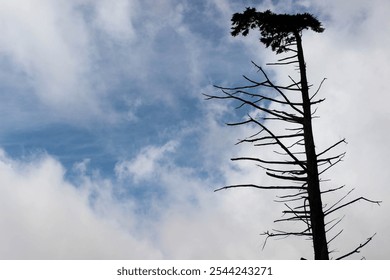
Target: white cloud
[(53, 49), (49, 44), (71, 56), (115, 18), (144, 166), (192, 222), (44, 217)]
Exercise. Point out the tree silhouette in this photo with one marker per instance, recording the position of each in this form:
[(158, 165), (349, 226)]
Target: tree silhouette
[(297, 161)]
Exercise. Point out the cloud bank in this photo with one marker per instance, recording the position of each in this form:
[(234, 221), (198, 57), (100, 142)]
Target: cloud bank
[(129, 75)]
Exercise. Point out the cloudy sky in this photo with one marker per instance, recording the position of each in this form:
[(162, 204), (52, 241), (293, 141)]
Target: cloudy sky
[(108, 149)]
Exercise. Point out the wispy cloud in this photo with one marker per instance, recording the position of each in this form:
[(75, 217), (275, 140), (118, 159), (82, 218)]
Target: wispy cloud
[(144, 166), (50, 45)]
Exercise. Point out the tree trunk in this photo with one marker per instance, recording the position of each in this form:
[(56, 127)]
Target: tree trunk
[(314, 193)]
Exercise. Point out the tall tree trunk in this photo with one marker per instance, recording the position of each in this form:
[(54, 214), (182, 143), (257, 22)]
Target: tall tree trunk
[(314, 193)]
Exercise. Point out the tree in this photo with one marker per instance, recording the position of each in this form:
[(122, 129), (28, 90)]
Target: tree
[(298, 161)]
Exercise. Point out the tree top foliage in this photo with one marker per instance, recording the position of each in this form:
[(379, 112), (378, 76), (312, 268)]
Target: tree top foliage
[(277, 30)]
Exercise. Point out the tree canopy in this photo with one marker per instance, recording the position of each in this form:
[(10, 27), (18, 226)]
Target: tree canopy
[(277, 30)]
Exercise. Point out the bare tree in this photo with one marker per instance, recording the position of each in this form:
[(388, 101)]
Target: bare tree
[(297, 161)]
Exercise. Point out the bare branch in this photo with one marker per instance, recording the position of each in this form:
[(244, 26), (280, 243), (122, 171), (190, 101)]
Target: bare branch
[(290, 178), (283, 234), (295, 83), (283, 63), (266, 161), (290, 200), (293, 195), (331, 147), (341, 199), (353, 201), (261, 96), (335, 224), (361, 245), (282, 171), (254, 105), (332, 190), (287, 58), (281, 144), (332, 164), (330, 158), (261, 187), (334, 237), (270, 137), (295, 218), (276, 88), (319, 87)]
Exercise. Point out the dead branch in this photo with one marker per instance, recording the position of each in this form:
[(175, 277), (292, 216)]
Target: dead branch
[(283, 234), (270, 137), (335, 224), (332, 190), (337, 202), (331, 147), (290, 178), (353, 201), (261, 187), (334, 237), (318, 89), (276, 88), (280, 143), (283, 63), (331, 164), (268, 161), (355, 251)]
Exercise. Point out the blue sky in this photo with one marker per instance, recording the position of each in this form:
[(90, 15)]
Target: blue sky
[(142, 84), (107, 140)]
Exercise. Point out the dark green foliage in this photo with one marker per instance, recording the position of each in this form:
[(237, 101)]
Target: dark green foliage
[(277, 30)]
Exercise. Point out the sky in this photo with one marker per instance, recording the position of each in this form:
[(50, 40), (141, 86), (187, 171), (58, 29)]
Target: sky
[(109, 150)]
